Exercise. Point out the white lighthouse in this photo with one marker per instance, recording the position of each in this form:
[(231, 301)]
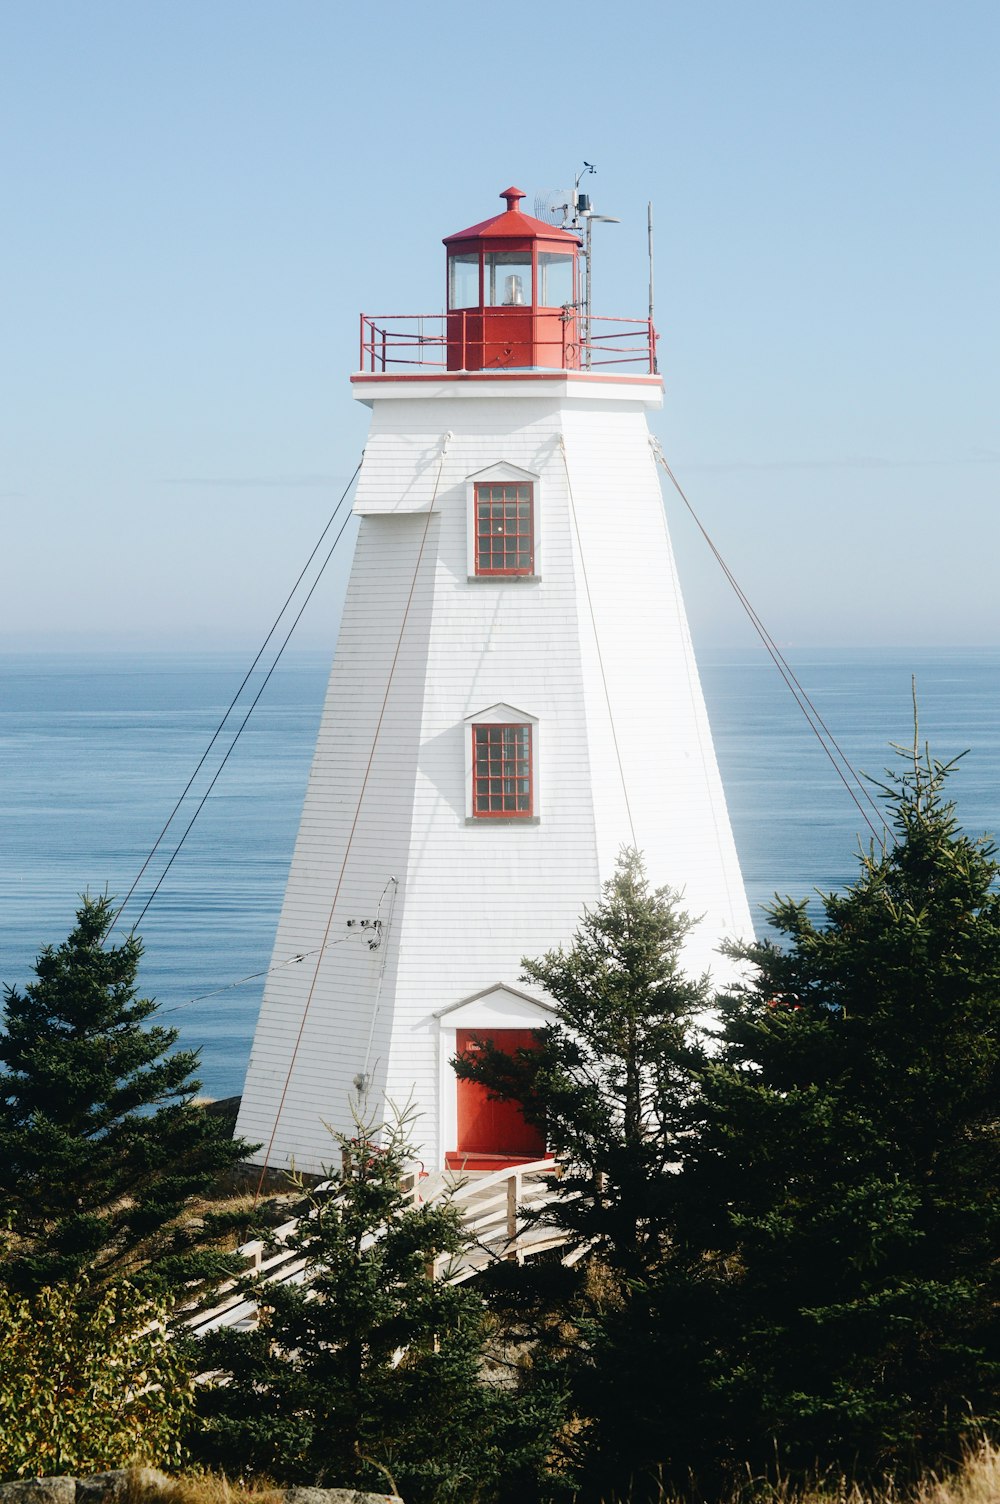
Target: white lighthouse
[(513, 699)]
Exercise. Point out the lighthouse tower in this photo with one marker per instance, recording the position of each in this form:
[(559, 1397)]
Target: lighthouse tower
[(514, 698)]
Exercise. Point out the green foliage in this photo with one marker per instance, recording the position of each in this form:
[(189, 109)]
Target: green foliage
[(373, 1372), (800, 1242), (611, 1079), (612, 1082), (794, 1236), (101, 1146), (87, 1384), (842, 1209)]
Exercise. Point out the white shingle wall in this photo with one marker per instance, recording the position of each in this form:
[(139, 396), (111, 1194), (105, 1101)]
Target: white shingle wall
[(651, 681), (474, 897)]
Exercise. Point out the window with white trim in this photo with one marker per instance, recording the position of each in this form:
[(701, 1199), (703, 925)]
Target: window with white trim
[(503, 523), (502, 773), (505, 527)]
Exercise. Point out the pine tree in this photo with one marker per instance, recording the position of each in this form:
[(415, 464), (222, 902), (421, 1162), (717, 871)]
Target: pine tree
[(371, 1374), (843, 1206), (613, 1082), (611, 1079), (101, 1145)]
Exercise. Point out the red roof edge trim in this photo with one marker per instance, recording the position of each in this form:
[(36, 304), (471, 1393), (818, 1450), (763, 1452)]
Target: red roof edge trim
[(513, 224)]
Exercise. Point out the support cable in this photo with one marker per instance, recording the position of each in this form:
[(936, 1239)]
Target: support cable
[(709, 764), (816, 722), (253, 976), (354, 825), (232, 704), (597, 641)]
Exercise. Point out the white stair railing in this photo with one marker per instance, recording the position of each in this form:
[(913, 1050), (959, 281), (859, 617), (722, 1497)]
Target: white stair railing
[(493, 1211)]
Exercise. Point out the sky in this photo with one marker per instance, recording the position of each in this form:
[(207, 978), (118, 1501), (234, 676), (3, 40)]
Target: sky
[(200, 196)]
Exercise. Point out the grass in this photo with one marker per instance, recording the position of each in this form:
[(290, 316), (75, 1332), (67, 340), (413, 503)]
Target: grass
[(213, 1488), (199, 1488), (976, 1481)]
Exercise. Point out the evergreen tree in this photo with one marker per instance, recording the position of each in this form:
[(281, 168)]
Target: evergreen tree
[(371, 1374), (611, 1079), (612, 1082), (101, 1146), (842, 1209)]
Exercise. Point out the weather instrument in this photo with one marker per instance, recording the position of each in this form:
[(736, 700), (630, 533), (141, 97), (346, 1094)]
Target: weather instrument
[(572, 210)]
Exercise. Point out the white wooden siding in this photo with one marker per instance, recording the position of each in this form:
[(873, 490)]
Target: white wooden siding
[(474, 897)]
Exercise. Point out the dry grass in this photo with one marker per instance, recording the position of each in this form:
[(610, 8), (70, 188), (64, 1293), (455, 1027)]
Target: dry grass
[(977, 1481), (213, 1488), (236, 1197), (196, 1488)]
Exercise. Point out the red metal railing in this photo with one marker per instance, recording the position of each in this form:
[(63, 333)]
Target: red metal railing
[(460, 341)]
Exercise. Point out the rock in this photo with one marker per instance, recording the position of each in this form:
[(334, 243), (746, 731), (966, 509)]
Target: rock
[(127, 1485), (39, 1491), (122, 1484), (337, 1496)]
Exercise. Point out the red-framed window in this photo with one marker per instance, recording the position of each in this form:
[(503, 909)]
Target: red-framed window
[(505, 527), (502, 784)]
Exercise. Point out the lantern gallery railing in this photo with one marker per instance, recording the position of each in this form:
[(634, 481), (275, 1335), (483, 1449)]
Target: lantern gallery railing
[(463, 341)]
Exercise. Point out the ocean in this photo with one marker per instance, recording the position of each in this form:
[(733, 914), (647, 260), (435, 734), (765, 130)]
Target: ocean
[(96, 749)]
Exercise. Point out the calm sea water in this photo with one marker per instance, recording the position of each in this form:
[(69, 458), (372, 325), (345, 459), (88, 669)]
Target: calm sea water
[(94, 752)]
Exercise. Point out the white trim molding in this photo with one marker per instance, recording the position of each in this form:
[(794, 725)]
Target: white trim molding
[(502, 714), (496, 475), (498, 1007)]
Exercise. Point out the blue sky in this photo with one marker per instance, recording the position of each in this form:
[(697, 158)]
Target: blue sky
[(200, 197)]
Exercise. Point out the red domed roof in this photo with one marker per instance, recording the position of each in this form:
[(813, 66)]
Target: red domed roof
[(513, 225)]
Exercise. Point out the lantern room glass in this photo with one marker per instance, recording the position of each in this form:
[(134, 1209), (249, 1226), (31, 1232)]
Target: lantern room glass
[(463, 280), (507, 279), (555, 279)]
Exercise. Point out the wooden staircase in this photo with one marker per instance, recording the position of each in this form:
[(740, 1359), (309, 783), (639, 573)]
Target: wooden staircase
[(493, 1208)]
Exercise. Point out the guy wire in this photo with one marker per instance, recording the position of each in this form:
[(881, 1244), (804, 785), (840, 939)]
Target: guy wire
[(816, 722), (232, 704), (354, 825)]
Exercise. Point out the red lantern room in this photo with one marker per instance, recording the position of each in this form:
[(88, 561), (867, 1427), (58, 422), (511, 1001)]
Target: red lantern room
[(513, 294)]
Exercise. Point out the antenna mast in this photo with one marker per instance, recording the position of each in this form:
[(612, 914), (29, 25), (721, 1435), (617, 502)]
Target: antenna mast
[(575, 213), (649, 230), (582, 210)]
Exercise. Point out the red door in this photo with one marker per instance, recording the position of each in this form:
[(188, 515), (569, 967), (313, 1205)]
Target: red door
[(492, 1134)]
